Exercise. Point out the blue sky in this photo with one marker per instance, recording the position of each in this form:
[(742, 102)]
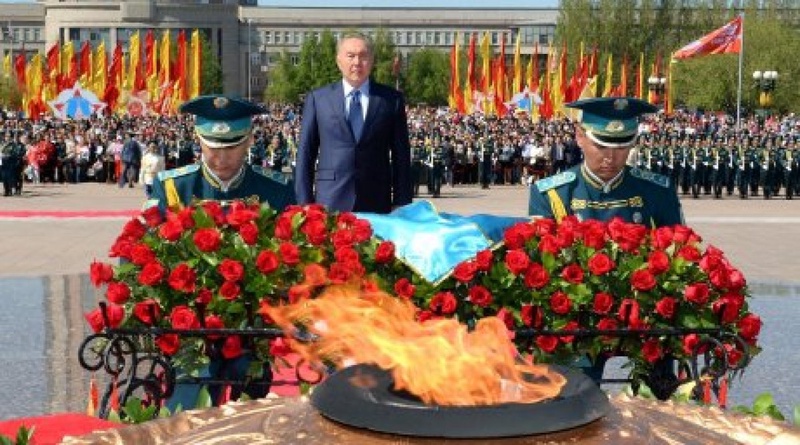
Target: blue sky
[(405, 3)]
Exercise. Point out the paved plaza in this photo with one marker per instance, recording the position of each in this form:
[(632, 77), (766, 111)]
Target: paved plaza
[(50, 234)]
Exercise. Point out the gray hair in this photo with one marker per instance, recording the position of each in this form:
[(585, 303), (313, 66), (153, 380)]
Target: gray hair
[(356, 35)]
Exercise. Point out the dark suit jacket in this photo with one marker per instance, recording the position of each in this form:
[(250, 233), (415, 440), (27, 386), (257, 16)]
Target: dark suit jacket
[(335, 170)]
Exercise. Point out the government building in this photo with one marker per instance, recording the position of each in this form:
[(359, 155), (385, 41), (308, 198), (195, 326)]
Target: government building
[(248, 39)]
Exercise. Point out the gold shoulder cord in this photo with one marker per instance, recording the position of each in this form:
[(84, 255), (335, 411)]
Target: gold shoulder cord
[(173, 199), (559, 212)]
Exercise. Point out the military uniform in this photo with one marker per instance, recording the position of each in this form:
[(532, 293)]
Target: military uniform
[(634, 194), (436, 162), (418, 156)]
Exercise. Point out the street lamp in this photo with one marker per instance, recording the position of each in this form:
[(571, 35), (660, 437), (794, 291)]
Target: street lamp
[(657, 86), (765, 82), (249, 59)]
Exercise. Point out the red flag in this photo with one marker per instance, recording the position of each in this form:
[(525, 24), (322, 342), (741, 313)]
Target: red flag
[(20, 63), (85, 64), (725, 40)]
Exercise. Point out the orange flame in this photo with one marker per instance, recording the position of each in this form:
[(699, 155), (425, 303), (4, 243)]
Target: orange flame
[(439, 361)]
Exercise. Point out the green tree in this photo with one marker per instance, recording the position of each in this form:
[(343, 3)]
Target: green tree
[(385, 52), (211, 76), (283, 86), (428, 77)]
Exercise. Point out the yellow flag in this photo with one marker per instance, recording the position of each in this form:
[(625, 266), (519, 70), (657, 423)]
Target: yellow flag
[(194, 65), (609, 74), (517, 86), (7, 65), (134, 56)]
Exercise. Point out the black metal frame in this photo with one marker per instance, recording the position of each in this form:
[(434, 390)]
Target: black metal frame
[(148, 370)]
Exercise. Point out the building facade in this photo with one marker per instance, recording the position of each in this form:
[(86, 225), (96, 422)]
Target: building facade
[(249, 39)]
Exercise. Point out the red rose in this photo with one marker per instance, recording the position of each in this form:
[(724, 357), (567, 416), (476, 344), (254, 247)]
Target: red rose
[(229, 290), (423, 316), (147, 311), (662, 237), (299, 292), (573, 273), (689, 253), (118, 292), (182, 278), (362, 230), (171, 230), (651, 350), (152, 216), (749, 326), (608, 324), (116, 314), (560, 303), (684, 234), (232, 347), (594, 233), (142, 254), (543, 226), (133, 230), (267, 261), (629, 312), (444, 303), (316, 232), (404, 288), (629, 236), (185, 216), (736, 279), (602, 303), (507, 318), (696, 293), (231, 270), (290, 253), (566, 232), (283, 227), (95, 320), (315, 275), (600, 264), (483, 260), (536, 277), (121, 248), (728, 306), (152, 274), (658, 262), (343, 238), (712, 260), (549, 244), (643, 280), (249, 233), (100, 273), (339, 273), (183, 317), (480, 296), (570, 326), (689, 343), (203, 297), (213, 322), (385, 252), (719, 277), (168, 343), (734, 354), (239, 215), (517, 261), (547, 343), (207, 240), (666, 306), (465, 271), (514, 236), (214, 210), (345, 219), (346, 255), (532, 316)]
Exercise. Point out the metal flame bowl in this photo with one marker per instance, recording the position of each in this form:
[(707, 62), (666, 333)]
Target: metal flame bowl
[(378, 407)]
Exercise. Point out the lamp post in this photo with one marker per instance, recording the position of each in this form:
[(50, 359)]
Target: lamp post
[(765, 82), (249, 59), (657, 86)]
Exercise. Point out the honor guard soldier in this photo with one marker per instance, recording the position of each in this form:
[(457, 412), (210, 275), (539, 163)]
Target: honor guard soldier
[(487, 162), (792, 169), (603, 187), (768, 168), (436, 162), (417, 164), (224, 127)]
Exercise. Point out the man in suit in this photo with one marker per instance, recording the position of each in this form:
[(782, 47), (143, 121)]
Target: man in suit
[(354, 152), (131, 158), (223, 126)]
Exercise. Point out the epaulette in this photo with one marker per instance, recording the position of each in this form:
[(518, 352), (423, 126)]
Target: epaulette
[(176, 172), (554, 181), (647, 175), (271, 174)]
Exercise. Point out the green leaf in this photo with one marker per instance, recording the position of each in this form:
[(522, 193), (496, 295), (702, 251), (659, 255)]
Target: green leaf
[(796, 420), (775, 413), (763, 403), (203, 398)]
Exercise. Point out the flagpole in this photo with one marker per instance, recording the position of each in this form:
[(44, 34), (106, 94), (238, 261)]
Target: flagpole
[(739, 90)]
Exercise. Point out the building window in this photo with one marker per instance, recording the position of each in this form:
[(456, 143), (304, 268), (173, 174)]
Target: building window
[(287, 37), (278, 37), (409, 38), (268, 37), (543, 40), (297, 38), (37, 34), (436, 38), (294, 59)]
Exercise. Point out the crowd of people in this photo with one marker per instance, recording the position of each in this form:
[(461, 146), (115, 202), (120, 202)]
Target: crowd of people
[(703, 154)]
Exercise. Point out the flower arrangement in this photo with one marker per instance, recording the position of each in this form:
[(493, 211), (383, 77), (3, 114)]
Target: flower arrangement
[(221, 267)]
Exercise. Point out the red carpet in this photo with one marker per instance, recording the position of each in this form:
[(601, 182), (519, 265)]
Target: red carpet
[(68, 213), (52, 428)]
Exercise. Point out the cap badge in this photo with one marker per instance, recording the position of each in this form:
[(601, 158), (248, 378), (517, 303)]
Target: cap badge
[(220, 102), (620, 104), (220, 128), (615, 126)]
